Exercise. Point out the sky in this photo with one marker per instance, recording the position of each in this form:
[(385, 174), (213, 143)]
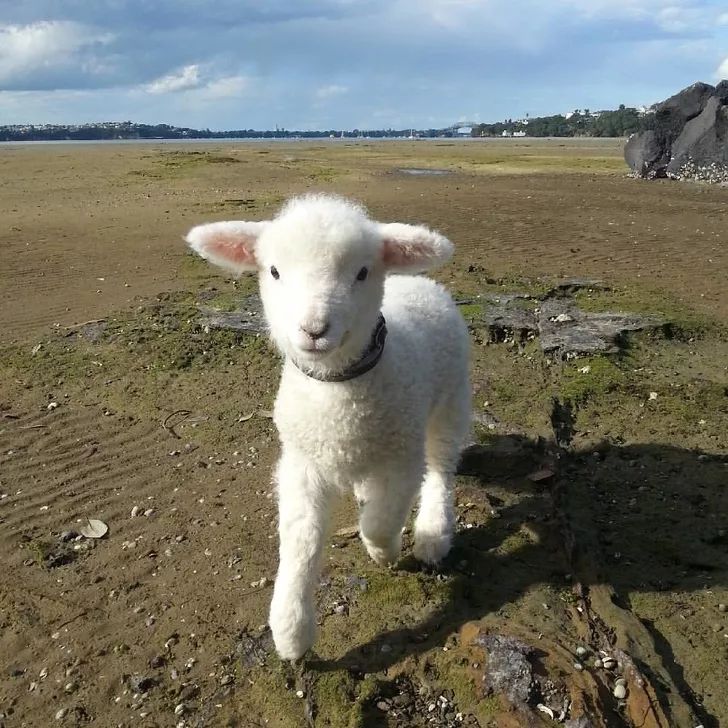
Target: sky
[(347, 64)]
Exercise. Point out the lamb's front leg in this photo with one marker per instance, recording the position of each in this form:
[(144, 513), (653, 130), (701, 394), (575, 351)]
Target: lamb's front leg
[(303, 507)]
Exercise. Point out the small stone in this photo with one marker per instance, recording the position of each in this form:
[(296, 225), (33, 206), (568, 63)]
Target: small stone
[(157, 661), (179, 708), (300, 694), (134, 512), (578, 666), (581, 651), (148, 512), (722, 608), (61, 714), (386, 648), (717, 627), (226, 679), (383, 705), (70, 687), (620, 692), (140, 683), (598, 664)]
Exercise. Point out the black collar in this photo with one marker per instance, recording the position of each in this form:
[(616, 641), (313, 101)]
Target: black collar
[(370, 357)]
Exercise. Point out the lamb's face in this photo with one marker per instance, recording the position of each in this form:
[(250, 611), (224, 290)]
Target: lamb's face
[(321, 264), (321, 283)]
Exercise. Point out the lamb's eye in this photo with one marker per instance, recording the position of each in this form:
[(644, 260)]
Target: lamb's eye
[(274, 272), (362, 274)]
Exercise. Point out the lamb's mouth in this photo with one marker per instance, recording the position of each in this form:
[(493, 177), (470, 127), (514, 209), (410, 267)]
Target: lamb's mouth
[(317, 349)]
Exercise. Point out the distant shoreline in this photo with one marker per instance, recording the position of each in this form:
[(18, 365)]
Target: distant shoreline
[(318, 140)]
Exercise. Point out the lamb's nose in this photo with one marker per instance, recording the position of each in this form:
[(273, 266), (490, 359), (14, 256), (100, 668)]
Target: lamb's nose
[(315, 331)]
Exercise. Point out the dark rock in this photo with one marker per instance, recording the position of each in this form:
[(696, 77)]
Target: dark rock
[(188, 692), (569, 286), (687, 138), (507, 670), (646, 154), (253, 650), (580, 722), (141, 683), (721, 91), (703, 140)]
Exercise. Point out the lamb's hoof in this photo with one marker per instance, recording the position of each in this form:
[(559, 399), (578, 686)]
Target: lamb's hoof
[(292, 637), (431, 548), (384, 556), (293, 646)]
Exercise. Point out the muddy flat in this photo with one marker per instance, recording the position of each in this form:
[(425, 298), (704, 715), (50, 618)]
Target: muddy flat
[(592, 537)]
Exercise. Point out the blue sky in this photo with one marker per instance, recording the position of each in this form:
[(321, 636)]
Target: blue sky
[(320, 64)]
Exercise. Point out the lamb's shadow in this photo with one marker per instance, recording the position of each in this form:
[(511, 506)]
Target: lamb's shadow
[(650, 518)]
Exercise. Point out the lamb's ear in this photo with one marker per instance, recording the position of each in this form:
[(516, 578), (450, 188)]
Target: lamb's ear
[(412, 248), (230, 245)]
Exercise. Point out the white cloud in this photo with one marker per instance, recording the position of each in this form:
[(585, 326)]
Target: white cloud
[(722, 72), (186, 78), (722, 19), (193, 79), (326, 92), (45, 46), (227, 87)]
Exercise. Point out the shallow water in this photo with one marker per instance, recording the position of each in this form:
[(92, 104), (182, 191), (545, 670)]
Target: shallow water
[(424, 172)]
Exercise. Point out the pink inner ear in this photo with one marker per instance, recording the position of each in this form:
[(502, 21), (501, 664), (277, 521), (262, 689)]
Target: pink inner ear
[(234, 251), (396, 253)]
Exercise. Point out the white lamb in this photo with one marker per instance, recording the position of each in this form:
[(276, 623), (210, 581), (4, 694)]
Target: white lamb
[(385, 419)]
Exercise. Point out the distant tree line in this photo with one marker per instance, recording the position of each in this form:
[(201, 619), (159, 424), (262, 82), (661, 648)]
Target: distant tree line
[(130, 130), (620, 122)]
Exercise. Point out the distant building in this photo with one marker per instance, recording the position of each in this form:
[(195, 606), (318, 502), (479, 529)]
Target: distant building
[(519, 133), (464, 131)]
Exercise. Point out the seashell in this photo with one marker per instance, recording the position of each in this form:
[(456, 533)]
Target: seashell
[(94, 528)]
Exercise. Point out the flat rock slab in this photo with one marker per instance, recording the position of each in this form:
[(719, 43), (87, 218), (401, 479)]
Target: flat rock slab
[(566, 330), (248, 318), (563, 329)]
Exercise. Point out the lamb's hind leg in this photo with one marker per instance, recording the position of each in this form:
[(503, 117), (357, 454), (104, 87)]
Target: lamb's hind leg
[(385, 501), (435, 520)]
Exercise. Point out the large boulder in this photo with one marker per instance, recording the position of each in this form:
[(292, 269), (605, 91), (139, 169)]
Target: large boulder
[(687, 136), (703, 142)]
